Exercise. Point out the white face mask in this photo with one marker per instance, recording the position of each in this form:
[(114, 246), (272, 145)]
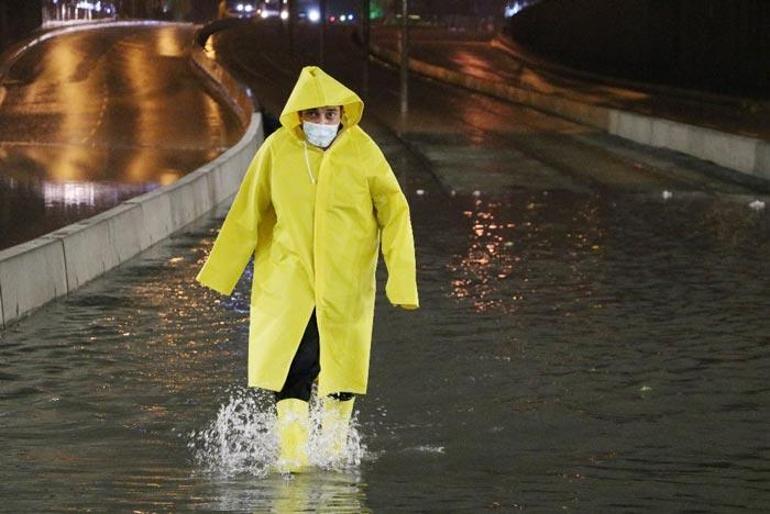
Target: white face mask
[(318, 134)]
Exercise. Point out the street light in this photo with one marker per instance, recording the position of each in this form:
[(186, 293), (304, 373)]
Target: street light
[(322, 12), (404, 43)]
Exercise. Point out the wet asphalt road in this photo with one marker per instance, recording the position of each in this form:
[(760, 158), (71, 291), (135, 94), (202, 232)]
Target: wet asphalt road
[(451, 128), (584, 345), (94, 117)]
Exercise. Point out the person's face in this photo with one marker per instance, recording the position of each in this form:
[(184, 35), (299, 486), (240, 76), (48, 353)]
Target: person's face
[(328, 115)]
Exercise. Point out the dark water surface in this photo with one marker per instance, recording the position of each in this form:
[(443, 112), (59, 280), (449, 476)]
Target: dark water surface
[(575, 352)]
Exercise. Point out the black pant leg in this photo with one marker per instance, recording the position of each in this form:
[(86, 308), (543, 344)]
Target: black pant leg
[(304, 367), (343, 397)]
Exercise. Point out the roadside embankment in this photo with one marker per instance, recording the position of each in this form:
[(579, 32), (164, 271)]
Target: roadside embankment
[(747, 155), (35, 272)]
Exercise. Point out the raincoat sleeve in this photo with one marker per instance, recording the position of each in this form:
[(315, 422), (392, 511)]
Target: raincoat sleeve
[(237, 238), (397, 239)]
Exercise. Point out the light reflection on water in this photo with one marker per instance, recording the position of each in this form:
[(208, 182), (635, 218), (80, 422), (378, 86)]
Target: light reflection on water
[(89, 194), (506, 240)]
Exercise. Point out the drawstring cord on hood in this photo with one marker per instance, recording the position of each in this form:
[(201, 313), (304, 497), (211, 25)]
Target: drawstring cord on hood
[(307, 164)]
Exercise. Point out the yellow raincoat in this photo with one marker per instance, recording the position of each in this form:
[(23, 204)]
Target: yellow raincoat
[(313, 220)]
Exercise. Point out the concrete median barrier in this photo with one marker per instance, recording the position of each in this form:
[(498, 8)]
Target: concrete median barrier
[(763, 160), (99, 243), (740, 153), (31, 274), (156, 212)]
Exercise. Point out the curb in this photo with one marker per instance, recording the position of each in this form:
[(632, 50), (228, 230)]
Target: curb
[(750, 156)]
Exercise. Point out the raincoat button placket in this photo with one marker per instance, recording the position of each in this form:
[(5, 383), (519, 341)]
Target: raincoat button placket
[(320, 191)]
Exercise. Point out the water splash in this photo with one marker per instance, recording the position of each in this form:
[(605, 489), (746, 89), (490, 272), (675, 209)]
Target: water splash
[(319, 443), (242, 438)]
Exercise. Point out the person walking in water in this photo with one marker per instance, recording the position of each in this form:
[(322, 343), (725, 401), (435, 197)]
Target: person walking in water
[(317, 202)]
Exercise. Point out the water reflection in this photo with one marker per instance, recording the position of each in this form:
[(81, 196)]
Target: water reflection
[(34, 186), (78, 193), (330, 493), (321, 492), (507, 240), (116, 110)]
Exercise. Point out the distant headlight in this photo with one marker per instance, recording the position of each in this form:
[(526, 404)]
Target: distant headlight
[(248, 8), (284, 14), (239, 7), (314, 15)]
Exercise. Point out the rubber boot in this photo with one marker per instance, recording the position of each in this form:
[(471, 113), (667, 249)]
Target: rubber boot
[(335, 423), (293, 427)]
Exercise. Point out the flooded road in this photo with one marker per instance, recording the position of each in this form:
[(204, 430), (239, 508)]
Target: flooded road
[(94, 117), (574, 353), (585, 344)]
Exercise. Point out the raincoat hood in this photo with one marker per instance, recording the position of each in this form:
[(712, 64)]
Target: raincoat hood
[(315, 88)]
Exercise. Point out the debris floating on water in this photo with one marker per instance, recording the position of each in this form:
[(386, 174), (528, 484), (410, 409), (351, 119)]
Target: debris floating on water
[(667, 194), (420, 192), (477, 193), (427, 448), (757, 205)]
